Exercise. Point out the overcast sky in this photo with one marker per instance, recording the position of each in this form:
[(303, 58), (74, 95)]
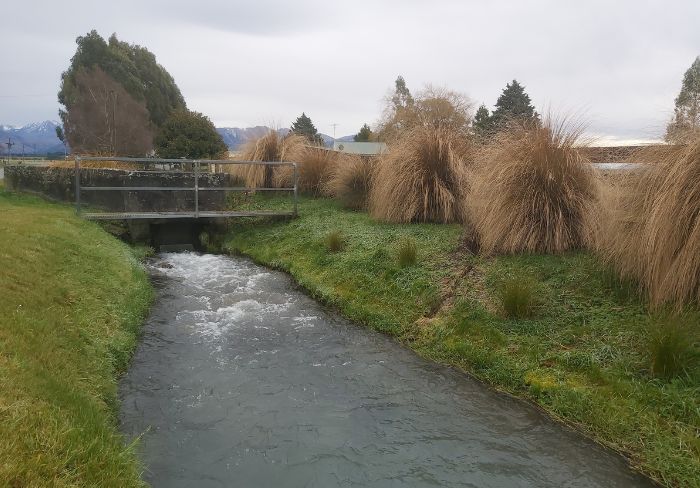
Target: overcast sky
[(262, 62)]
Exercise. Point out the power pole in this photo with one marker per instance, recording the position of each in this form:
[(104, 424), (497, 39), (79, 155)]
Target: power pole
[(9, 144), (334, 126)]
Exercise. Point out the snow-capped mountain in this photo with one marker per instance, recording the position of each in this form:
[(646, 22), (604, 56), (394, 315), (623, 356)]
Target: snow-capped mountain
[(35, 138)]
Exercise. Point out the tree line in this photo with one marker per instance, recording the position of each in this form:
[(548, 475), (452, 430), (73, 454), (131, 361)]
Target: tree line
[(117, 100)]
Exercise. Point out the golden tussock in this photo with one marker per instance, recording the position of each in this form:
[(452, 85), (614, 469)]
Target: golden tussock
[(532, 191), (314, 169), (270, 147), (350, 181), (652, 231), (421, 177)]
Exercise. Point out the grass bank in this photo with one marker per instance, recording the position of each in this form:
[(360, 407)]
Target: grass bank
[(73, 298), (581, 351)]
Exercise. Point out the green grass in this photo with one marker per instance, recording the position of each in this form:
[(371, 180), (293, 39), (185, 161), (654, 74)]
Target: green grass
[(73, 299), (335, 242), (583, 356), (407, 253), (517, 296)]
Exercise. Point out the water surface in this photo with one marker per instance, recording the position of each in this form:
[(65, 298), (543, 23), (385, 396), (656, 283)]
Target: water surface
[(242, 380)]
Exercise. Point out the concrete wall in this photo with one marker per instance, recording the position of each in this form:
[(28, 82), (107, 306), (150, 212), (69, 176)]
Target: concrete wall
[(59, 184)]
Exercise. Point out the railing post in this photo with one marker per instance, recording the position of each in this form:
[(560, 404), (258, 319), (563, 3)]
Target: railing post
[(77, 185), (296, 196), (196, 189)]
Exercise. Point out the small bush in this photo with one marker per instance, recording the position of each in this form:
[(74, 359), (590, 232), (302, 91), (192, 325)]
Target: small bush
[(532, 190), (350, 181), (421, 177), (670, 347), (517, 296), (407, 252), (335, 241)]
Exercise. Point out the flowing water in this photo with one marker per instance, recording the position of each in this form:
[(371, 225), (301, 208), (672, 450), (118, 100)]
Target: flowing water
[(243, 380)]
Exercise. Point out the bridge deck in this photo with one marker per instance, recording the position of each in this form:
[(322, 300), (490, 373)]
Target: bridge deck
[(182, 215)]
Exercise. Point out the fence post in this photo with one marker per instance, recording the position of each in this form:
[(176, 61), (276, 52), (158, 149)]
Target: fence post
[(296, 197), (196, 189), (77, 185)]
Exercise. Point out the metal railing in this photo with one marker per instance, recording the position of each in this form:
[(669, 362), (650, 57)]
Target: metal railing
[(196, 188)]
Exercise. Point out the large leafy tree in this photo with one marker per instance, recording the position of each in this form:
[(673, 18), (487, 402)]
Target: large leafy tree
[(364, 135), (436, 107), (189, 135), (131, 66), (513, 103), (686, 117), (104, 118), (305, 127)]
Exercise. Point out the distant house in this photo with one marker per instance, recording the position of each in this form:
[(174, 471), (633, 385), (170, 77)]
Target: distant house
[(361, 148)]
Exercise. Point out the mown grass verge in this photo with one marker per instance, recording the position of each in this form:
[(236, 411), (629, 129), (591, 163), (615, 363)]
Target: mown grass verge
[(73, 298), (581, 352)]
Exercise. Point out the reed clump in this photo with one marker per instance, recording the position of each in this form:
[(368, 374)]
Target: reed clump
[(350, 181), (270, 147), (314, 170), (421, 178), (532, 190), (653, 229)]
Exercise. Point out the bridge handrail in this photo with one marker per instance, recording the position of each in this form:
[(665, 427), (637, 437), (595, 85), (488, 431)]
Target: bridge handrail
[(201, 161), (196, 164)]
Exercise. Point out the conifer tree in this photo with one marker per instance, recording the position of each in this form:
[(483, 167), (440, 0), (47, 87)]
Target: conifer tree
[(513, 103), (483, 123), (305, 127), (364, 135)]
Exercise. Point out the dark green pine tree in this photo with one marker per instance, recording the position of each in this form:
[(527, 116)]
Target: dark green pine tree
[(483, 122), (304, 127), (513, 103), (364, 135)]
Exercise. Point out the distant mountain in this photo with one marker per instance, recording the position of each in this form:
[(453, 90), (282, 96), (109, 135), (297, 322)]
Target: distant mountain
[(36, 138), (235, 137), (40, 137)]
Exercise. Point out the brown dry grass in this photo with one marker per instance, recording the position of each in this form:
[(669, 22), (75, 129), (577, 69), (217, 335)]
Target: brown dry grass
[(97, 165), (315, 167), (421, 178), (532, 191), (270, 147), (351, 180), (652, 231)]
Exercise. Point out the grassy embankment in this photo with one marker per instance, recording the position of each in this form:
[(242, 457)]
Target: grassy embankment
[(582, 354), (73, 298)]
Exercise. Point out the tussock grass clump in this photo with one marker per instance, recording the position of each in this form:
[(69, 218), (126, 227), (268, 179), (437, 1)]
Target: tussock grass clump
[(421, 178), (315, 167), (350, 181), (270, 147), (517, 294), (653, 232), (670, 347), (533, 191), (407, 252), (335, 241)]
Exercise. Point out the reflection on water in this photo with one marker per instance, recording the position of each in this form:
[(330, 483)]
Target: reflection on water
[(242, 380)]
